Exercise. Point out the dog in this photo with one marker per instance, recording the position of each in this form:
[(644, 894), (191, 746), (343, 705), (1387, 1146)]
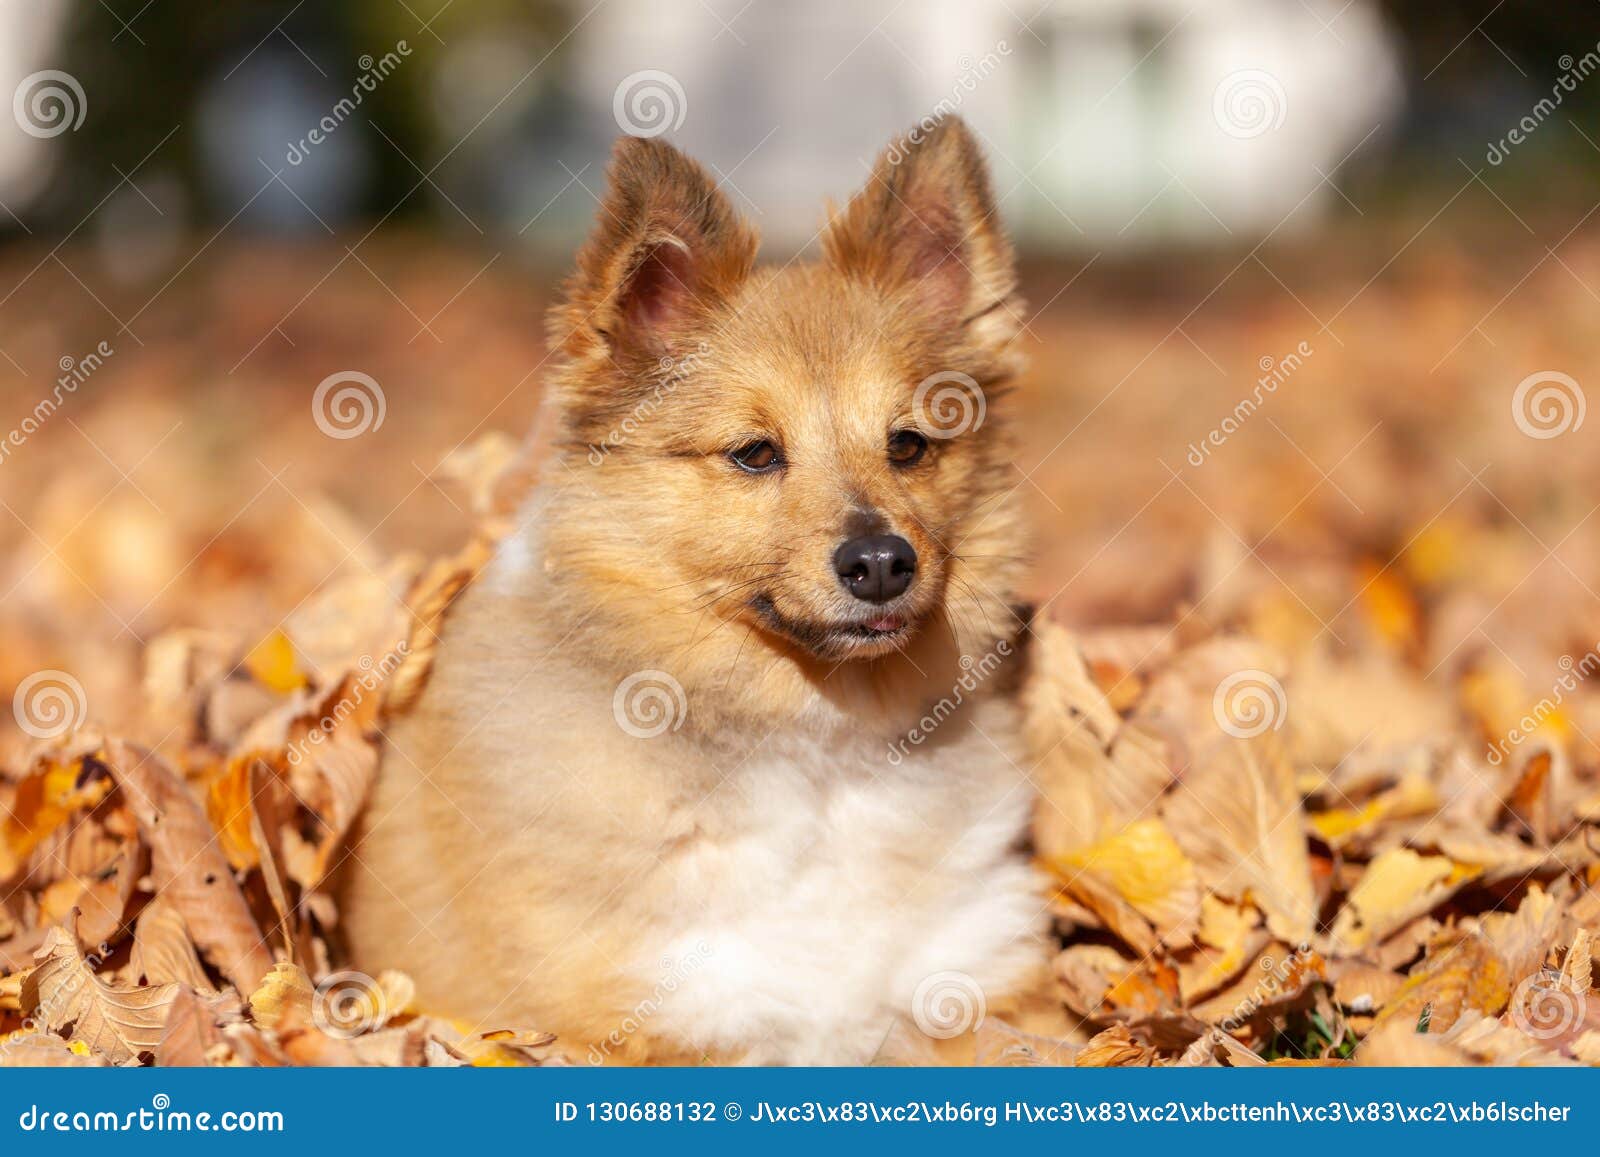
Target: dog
[(718, 761)]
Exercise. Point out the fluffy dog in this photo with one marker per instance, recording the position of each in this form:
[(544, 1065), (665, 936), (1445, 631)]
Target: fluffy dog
[(717, 757)]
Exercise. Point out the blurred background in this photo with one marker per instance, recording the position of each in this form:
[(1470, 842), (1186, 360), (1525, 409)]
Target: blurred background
[(1313, 291)]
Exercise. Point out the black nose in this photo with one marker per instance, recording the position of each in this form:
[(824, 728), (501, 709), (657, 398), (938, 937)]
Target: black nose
[(877, 567)]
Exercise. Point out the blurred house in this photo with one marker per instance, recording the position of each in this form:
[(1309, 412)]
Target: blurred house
[(1109, 121), (27, 32), (1162, 120)]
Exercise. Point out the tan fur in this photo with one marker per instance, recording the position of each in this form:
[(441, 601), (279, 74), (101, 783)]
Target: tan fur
[(765, 880)]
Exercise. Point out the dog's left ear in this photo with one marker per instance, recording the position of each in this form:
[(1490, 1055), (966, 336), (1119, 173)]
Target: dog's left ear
[(926, 223)]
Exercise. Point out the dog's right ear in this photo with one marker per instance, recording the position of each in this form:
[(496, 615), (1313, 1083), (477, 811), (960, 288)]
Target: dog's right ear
[(667, 246)]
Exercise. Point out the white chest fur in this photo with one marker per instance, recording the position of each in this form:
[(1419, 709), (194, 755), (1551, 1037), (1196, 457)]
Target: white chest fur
[(846, 906)]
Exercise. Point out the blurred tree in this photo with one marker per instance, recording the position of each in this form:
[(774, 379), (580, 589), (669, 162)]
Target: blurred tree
[(1476, 67)]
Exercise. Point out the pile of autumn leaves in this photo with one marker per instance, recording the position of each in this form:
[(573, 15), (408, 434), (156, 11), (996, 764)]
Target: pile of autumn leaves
[(1247, 871), (171, 903), (1254, 861)]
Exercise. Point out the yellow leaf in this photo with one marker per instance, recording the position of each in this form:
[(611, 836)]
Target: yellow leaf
[(1391, 606), (1336, 825), (1230, 936), (1454, 978), (1397, 886), (44, 801), (1436, 552), (1412, 796), (228, 807), (272, 663), (1145, 867), (284, 998), (1497, 697)]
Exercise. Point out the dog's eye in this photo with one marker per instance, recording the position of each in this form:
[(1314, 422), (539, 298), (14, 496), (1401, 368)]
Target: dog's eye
[(906, 447), (757, 458)]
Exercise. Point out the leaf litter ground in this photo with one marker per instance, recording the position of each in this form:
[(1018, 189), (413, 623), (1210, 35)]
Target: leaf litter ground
[(1312, 689)]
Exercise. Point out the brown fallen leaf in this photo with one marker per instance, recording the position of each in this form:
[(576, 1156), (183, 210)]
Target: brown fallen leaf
[(269, 818), (1230, 938), (429, 601), (1281, 979), (162, 950), (1364, 988), (244, 1045), (402, 1047), (1456, 975), (63, 992), (44, 1050), (191, 1033), (1396, 1044), (1216, 1048), (1114, 1048), (188, 868), (1578, 968), (44, 800), (1238, 817), (1502, 1042), (1529, 805)]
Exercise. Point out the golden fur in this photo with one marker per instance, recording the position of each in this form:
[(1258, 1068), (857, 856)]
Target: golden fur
[(766, 868)]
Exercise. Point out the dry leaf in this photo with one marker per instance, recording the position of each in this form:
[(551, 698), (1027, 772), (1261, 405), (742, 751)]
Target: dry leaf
[(190, 1035), (1395, 887), (284, 999), (1114, 1048), (189, 870), (1230, 938), (162, 950), (43, 1050), (1143, 866), (1239, 818), (63, 991)]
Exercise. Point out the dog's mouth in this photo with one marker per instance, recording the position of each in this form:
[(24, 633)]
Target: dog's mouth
[(882, 632)]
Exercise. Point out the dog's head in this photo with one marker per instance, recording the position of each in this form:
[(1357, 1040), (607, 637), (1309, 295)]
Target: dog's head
[(814, 455)]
